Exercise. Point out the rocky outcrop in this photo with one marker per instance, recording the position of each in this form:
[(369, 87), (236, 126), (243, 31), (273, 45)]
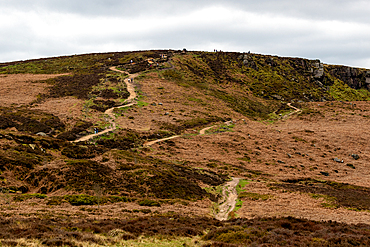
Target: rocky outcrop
[(318, 69), (354, 77), (248, 61), (320, 74), (367, 80)]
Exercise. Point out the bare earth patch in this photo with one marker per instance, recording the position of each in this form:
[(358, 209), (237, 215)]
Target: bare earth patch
[(67, 107), (21, 89)]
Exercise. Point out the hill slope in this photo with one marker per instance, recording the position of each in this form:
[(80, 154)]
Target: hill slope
[(227, 115)]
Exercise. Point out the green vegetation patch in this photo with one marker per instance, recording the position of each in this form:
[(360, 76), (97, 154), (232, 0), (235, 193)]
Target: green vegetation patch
[(82, 199), (23, 197), (149, 203), (299, 139), (341, 91), (254, 196), (330, 202), (240, 190)]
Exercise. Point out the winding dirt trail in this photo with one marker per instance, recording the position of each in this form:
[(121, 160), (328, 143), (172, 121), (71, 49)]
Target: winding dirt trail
[(147, 144), (296, 110), (203, 131), (229, 196), (130, 100)]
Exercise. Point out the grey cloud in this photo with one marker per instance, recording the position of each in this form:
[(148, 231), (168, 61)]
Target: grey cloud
[(307, 41), (314, 9)]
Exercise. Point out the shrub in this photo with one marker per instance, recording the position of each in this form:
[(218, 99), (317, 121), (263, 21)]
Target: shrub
[(21, 198), (77, 200), (149, 203)]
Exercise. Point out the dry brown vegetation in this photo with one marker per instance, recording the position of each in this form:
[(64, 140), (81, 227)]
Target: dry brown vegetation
[(296, 191)]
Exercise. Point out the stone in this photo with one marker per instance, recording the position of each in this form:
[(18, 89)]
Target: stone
[(281, 162), (154, 104), (8, 137), (325, 173), (355, 156), (338, 160), (278, 97), (367, 80), (160, 104), (41, 134), (167, 113), (289, 155)]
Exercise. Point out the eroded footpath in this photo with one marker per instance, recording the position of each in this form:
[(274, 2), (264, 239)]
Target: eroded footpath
[(230, 197)]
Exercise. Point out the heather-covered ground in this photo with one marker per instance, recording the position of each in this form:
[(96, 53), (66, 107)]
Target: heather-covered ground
[(304, 178)]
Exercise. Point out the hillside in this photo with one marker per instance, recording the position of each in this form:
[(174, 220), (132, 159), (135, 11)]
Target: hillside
[(129, 147)]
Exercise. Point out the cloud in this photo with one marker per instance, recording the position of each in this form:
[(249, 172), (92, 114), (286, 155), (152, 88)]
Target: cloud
[(333, 31)]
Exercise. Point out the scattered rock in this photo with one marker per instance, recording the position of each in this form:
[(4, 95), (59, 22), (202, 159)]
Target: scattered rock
[(167, 113), (154, 104), (160, 104), (8, 137), (33, 146), (325, 173), (281, 162), (338, 160), (355, 156), (278, 97), (41, 134), (289, 155)]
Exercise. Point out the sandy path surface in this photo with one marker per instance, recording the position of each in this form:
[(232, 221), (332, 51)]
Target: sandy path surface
[(109, 112), (295, 109), (147, 144), (203, 131), (230, 202)]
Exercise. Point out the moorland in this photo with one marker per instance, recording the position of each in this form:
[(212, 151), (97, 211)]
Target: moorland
[(183, 148)]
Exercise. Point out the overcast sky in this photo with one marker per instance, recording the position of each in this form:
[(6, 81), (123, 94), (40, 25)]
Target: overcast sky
[(334, 31)]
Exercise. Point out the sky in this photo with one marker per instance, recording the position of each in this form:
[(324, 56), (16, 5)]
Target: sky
[(334, 31)]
